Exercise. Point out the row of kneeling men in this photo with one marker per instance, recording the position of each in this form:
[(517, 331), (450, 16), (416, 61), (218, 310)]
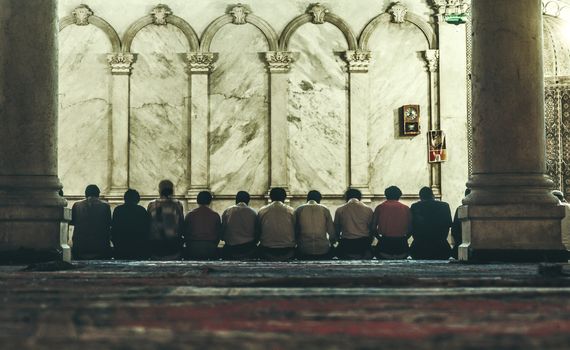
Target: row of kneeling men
[(276, 232)]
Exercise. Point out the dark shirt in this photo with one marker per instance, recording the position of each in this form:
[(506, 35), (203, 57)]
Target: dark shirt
[(431, 220), (456, 233), (130, 232), (91, 236), (202, 224)]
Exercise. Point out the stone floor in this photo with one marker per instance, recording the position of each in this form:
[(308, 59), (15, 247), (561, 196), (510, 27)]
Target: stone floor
[(259, 305)]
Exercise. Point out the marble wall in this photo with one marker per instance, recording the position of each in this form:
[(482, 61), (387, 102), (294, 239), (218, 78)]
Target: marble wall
[(232, 99)]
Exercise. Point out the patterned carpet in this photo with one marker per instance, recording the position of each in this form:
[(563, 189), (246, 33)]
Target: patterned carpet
[(320, 305)]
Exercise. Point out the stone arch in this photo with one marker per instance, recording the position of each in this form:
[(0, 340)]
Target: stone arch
[(416, 20), (176, 21), (306, 18), (268, 31), (97, 22)]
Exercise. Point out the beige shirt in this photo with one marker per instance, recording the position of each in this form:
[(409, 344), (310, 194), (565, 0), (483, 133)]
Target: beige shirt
[(277, 224), (314, 222), (238, 224), (353, 220)]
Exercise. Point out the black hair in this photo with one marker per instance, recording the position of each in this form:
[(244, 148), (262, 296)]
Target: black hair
[(242, 197), (132, 196), (426, 194), (314, 195), (166, 188), (92, 191), (353, 193), (204, 198), (393, 193), (278, 194)]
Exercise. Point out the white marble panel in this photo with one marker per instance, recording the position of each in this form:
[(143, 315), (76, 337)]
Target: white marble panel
[(318, 110), (84, 108), (398, 76), (239, 117), (158, 120)]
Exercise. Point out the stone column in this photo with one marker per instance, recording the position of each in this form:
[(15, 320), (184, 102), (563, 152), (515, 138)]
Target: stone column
[(279, 64), (432, 58), (200, 64), (121, 65), (510, 214), (359, 90), (33, 220)]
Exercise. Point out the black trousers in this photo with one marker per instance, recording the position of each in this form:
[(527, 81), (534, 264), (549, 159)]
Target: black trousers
[(276, 254), (355, 249), (244, 251), (392, 248)]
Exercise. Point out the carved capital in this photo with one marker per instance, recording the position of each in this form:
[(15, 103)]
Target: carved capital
[(160, 14), (121, 63), (200, 62), (239, 13), (358, 60), (432, 59), (318, 12), (279, 61), (398, 12), (451, 7), (81, 15)]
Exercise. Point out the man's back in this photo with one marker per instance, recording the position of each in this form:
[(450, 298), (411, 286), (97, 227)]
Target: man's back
[(239, 224), (167, 216), (91, 219), (431, 220), (202, 224), (130, 228), (353, 219), (392, 219), (277, 225), (314, 221)]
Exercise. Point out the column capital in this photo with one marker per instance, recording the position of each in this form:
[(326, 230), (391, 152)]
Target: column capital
[(121, 63), (398, 12), (200, 62), (318, 12), (358, 60), (446, 8), (81, 15), (159, 14), (432, 59), (279, 61), (239, 14)]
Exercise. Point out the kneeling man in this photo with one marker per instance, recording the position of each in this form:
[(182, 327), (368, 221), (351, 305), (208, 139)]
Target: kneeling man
[(277, 226), (315, 229)]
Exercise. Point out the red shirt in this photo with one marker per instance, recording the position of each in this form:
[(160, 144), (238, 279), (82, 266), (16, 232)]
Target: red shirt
[(392, 219)]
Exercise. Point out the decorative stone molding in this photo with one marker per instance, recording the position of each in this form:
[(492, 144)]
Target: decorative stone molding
[(318, 12), (200, 62), (358, 60), (398, 12), (159, 14), (279, 61), (449, 7), (239, 14), (432, 58), (121, 63), (81, 15)]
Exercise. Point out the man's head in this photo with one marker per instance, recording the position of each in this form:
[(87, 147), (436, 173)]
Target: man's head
[(426, 194), (393, 193), (166, 188), (92, 191), (132, 196), (242, 197), (204, 198), (558, 194), (353, 193), (278, 194), (314, 196)]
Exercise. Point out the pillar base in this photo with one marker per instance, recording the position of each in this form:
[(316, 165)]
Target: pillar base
[(512, 232), (34, 234)]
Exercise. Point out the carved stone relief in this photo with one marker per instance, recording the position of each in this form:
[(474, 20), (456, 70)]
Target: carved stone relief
[(200, 62), (358, 60), (121, 63), (319, 12), (239, 14), (279, 61), (81, 15), (398, 12), (159, 14)]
